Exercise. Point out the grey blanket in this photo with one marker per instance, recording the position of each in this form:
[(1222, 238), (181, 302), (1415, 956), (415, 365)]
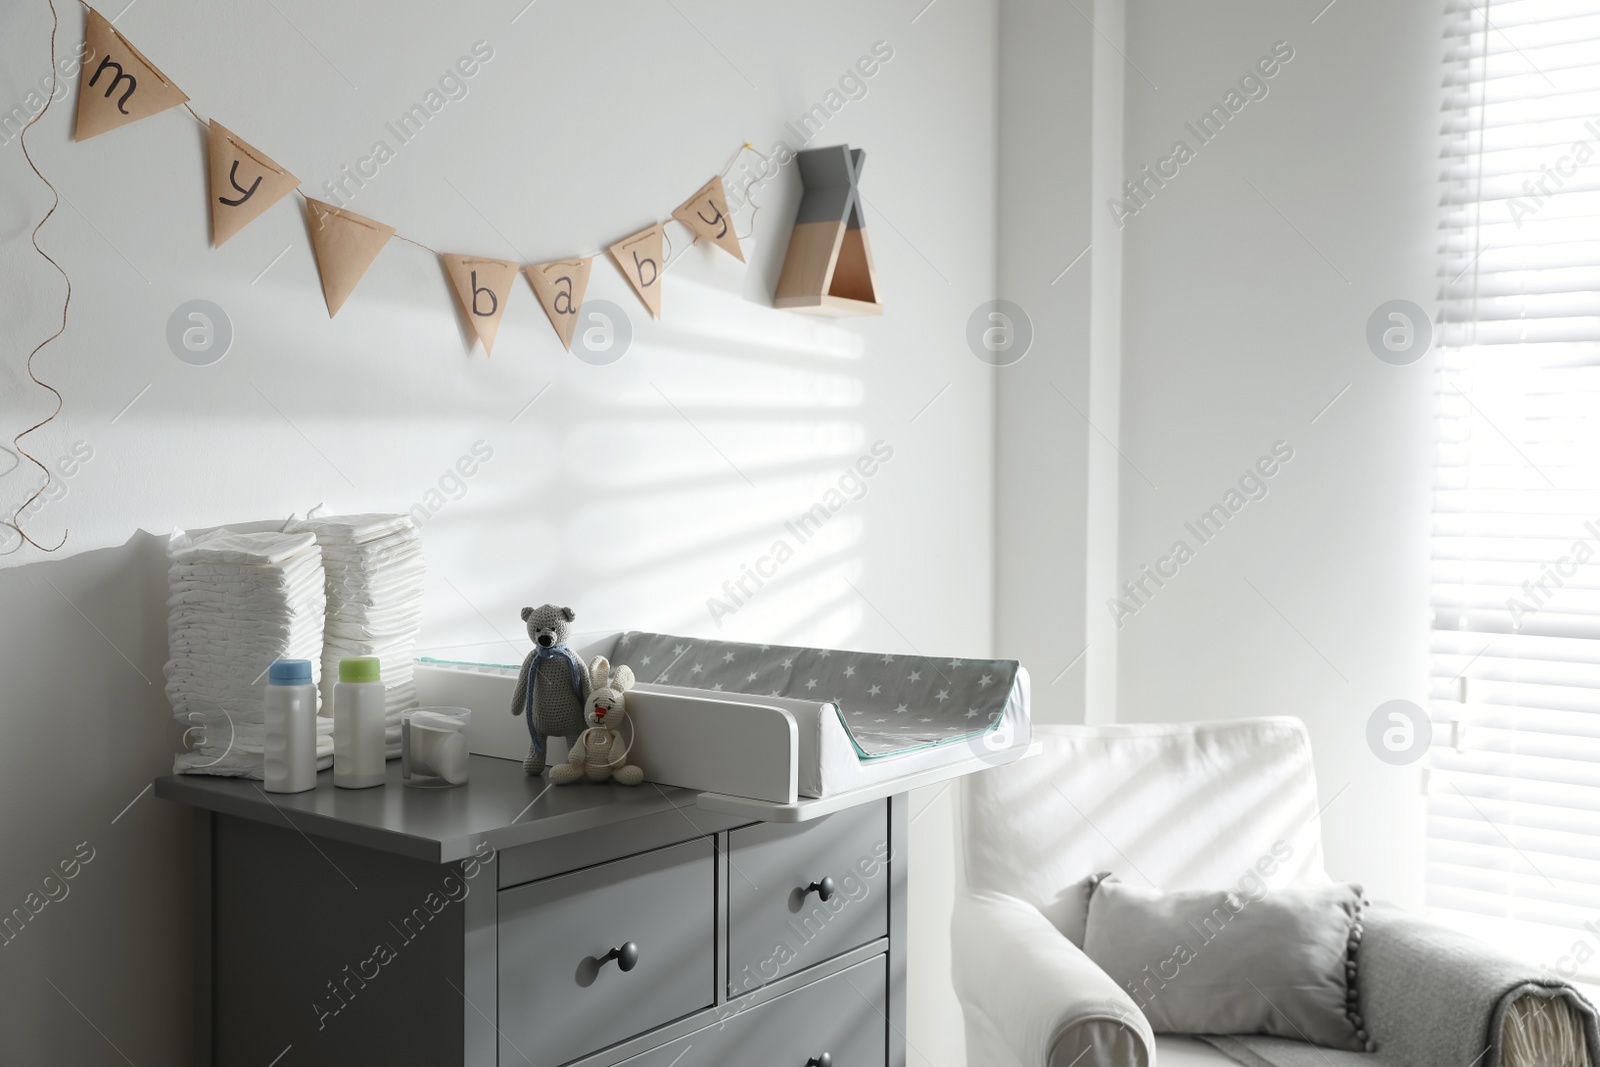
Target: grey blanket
[(1431, 997)]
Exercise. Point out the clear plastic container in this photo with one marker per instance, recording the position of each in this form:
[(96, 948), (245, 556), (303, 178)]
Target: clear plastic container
[(433, 747)]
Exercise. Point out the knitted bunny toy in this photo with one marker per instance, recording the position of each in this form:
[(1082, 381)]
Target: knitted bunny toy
[(600, 753)]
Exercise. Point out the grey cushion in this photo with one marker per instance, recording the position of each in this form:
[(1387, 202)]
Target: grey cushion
[(1221, 962)]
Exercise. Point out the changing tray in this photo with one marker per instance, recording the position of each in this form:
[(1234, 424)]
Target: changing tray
[(708, 719), (890, 706)]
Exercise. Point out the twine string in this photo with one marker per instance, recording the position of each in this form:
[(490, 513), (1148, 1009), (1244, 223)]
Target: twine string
[(755, 210), (746, 147), (66, 303), (189, 107)]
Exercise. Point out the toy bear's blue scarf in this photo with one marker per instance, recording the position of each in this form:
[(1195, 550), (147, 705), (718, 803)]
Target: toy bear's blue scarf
[(540, 654)]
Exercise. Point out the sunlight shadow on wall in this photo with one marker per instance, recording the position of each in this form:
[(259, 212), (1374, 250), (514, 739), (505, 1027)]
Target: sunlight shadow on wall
[(723, 437)]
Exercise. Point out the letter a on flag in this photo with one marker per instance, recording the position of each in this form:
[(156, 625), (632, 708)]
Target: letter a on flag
[(560, 287), (482, 286), (706, 213), (639, 259), (118, 84), (345, 245), (244, 183)]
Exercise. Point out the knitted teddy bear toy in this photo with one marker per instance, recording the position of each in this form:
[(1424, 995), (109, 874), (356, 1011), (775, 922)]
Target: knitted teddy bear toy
[(552, 684), (600, 753)]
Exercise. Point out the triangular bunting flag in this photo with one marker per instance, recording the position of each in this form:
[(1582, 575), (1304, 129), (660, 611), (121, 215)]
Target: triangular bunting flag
[(483, 286), (118, 84), (560, 287), (639, 259), (706, 213), (244, 183), (345, 245)]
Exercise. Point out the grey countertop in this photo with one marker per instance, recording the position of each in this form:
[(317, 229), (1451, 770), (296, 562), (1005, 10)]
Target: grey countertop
[(499, 805)]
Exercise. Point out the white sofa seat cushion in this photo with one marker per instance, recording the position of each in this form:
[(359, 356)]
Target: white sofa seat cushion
[(1167, 806), (1189, 1052)]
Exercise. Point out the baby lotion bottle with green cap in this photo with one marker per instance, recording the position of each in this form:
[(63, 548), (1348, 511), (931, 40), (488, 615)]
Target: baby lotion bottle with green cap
[(358, 741), (289, 733)]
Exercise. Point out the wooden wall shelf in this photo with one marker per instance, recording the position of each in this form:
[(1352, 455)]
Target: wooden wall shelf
[(828, 269)]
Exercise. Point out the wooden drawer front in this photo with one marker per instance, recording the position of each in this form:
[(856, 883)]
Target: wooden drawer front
[(775, 926), (844, 1016), (556, 1002)]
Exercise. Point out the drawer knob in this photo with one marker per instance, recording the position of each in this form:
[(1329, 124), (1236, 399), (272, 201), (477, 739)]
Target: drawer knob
[(626, 955), (824, 1060), (824, 892)]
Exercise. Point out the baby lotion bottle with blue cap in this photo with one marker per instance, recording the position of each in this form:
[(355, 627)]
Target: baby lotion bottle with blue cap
[(289, 736), (359, 747)]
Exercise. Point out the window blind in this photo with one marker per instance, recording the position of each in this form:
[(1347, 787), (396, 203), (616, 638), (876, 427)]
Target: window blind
[(1513, 818)]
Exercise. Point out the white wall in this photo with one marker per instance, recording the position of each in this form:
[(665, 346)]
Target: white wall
[(1245, 314), (1058, 419), (1242, 310), (1047, 85), (588, 123)]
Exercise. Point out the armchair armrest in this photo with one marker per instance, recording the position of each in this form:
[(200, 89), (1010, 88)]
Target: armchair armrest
[(1433, 996), (1038, 992)]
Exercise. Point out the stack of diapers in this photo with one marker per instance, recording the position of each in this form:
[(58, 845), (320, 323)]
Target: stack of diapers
[(239, 600), (375, 579)]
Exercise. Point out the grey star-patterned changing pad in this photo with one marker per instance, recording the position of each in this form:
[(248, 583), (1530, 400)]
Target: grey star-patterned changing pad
[(888, 704)]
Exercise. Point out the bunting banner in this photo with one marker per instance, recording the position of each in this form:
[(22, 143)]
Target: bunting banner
[(344, 244), (639, 259), (118, 86), (244, 183), (560, 287), (484, 288), (122, 87), (706, 213)]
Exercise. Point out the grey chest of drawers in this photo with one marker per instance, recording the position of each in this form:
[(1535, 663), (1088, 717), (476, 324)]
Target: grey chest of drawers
[(507, 923)]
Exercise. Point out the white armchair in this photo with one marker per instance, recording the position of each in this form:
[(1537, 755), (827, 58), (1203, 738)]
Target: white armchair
[(1182, 806)]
